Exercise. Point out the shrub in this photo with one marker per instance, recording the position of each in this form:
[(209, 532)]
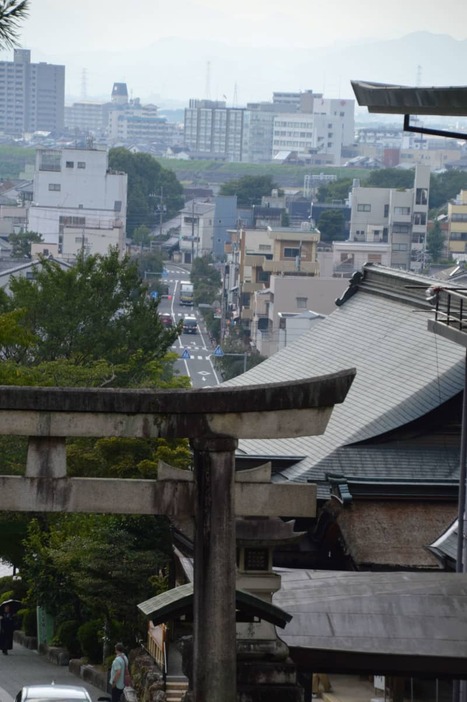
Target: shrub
[(28, 621), (90, 640), (67, 636)]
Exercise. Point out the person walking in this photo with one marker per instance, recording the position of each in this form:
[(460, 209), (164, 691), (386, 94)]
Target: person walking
[(117, 672), (7, 627)]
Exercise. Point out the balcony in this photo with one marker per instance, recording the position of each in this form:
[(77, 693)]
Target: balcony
[(249, 287), (290, 266), (450, 314)]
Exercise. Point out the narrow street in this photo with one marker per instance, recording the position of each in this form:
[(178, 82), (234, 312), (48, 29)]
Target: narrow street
[(195, 350)]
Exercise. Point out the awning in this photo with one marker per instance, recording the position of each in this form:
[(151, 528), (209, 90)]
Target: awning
[(178, 601)]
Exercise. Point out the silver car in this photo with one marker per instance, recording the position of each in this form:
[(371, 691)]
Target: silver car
[(53, 693)]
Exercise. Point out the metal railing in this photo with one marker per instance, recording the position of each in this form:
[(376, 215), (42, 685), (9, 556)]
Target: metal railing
[(450, 306)]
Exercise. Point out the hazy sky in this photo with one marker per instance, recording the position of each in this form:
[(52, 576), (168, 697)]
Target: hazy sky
[(58, 30), (71, 25)]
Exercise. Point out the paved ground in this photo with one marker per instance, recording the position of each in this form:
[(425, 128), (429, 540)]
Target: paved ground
[(23, 666)]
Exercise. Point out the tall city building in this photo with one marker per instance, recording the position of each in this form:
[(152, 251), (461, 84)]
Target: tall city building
[(213, 130), (32, 95)]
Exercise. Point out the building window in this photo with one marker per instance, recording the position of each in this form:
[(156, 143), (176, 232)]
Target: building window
[(402, 210), (72, 221), (302, 303), (400, 228), (421, 196), (458, 217), (56, 187), (117, 206), (419, 218), (374, 258), (363, 208), (70, 164), (291, 253), (399, 247), (81, 164)]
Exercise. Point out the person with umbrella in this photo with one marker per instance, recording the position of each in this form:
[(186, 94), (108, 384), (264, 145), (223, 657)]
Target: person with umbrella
[(7, 626)]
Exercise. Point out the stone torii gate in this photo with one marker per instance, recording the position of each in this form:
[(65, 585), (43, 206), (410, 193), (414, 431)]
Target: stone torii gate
[(213, 419)]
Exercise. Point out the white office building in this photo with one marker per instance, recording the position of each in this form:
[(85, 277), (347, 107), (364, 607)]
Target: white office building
[(387, 226), (78, 204)]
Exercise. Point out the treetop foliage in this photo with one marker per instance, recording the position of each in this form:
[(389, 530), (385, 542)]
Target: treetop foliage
[(249, 189), (149, 187), (95, 311), (12, 12)]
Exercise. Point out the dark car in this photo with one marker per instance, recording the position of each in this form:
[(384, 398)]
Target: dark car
[(167, 320), (190, 325)]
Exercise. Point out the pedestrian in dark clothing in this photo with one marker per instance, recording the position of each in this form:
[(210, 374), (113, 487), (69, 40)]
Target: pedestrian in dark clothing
[(7, 626)]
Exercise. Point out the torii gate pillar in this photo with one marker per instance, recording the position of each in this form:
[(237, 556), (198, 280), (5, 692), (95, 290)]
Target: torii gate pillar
[(214, 570)]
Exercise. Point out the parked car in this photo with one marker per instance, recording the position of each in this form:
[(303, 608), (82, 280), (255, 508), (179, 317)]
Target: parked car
[(190, 325), (53, 693), (166, 319)]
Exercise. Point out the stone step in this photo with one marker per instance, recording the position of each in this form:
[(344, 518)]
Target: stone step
[(175, 688)]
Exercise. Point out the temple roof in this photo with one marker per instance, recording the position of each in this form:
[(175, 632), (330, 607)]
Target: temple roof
[(376, 622), (179, 600), (404, 372)]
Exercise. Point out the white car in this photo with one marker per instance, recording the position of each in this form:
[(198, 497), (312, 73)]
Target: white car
[(53, 693)]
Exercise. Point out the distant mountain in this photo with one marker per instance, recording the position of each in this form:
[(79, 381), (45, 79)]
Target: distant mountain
[(175, 69)]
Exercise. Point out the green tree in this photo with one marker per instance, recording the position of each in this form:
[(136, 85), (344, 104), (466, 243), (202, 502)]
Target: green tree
[(435, 242), (149, 187), (85, 567), (97, 310), (141, 236), (206, 279), (21, 243), (233, 365), (337, 191), (332, 226), (12, 12), (445, 186), (390, 178), (249, 189)]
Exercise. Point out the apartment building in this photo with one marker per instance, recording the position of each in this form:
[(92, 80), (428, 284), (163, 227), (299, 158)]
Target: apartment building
[(196, 230), (457, 226), (314, 138), (32, 95), (137, 123), (290, 306), (305, 123), (213, 130), (78, 204), (255, 255), (87, 117), (387, 226)]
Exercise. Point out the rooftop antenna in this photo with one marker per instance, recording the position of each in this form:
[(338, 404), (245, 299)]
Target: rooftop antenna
[(84, 81), (207, 90)]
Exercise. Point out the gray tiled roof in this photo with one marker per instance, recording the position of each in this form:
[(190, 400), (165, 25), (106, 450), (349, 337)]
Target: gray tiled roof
[(403, 370), (412, 614)]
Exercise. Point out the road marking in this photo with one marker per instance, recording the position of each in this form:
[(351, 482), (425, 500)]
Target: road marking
[(4, 696)]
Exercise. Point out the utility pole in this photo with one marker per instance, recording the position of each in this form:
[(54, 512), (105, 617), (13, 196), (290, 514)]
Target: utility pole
[(192, 230), (161, 211)]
